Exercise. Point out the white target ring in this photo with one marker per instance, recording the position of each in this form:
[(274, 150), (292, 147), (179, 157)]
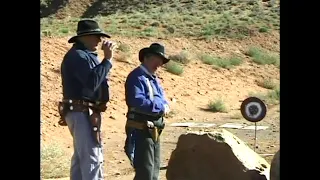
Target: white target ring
[(253, 109), (257, 114)]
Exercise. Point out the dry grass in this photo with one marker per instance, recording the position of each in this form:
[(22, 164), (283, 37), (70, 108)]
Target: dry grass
[(219, 62), (272, 97), (55, 163), (262, 56), (267, 83), (205, 19), (124, 47)]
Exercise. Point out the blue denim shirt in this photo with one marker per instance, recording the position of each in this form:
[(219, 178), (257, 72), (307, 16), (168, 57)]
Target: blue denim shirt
[(138, 95), (83, 76)]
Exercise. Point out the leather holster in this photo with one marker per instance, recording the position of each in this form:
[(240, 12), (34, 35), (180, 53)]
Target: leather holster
[(155, 133), (95, 120), (62, 113)]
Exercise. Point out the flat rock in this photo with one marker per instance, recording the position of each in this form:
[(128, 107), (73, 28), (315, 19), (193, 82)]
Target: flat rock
[(253, 127), (215, 156), (232, 125), (193, 124), (275, 167)]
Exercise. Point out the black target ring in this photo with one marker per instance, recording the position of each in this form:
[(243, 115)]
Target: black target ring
[(253, 109)]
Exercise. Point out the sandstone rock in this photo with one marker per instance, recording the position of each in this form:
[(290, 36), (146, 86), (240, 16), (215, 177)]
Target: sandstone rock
[(216, 155), (275, 167)]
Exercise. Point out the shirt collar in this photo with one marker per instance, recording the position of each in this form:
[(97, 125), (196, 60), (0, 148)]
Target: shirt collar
[(79, 45), (145, 70)]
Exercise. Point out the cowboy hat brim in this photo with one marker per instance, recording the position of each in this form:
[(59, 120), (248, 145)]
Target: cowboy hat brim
[(73, 39), (144, 51)]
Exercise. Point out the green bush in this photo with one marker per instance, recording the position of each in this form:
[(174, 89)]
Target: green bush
[(174, 68), (217, 106)]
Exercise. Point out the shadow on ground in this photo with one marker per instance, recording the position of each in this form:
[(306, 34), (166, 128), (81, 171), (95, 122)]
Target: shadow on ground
[(51, 7), (108, 7)]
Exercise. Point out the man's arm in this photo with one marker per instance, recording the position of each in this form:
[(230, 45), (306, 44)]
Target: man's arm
[(91, 79), (136, 97)]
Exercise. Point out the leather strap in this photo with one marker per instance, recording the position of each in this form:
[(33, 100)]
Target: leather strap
[(97, 105)]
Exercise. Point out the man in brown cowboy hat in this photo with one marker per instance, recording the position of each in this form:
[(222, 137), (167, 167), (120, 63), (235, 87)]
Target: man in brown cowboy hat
[(146, 108), (85, 95)]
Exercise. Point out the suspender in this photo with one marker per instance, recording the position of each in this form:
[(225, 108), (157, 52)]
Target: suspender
[(150, 88)]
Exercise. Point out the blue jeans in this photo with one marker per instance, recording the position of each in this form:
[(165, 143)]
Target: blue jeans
[(87, 159), (129, 146)]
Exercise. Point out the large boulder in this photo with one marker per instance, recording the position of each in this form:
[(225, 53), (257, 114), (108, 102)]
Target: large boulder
[(217, 155), (275, 167)]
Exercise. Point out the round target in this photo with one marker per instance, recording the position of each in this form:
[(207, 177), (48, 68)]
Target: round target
[(253, 109)]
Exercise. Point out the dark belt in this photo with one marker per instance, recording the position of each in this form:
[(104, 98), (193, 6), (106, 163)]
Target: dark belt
[(154, 131), (83, 106), (68, 105), (98, 106), (136, 110)]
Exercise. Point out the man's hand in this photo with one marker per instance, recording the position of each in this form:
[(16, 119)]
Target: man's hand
[(108, 47)]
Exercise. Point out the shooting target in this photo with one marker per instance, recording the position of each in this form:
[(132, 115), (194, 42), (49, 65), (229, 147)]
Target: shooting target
[(253, 109)]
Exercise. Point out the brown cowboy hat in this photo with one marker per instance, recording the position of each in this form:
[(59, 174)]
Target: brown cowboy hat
[(154, 48), (88, 27)]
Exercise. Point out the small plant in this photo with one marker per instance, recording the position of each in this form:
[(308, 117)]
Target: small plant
[(55, 163), (263, 29), (267, 83), (274, 94), (261, 56), (207, 59), (64, 31), (217, 106), (182, 57), (174, 68), (221, 62), (124, 47), (235, 61), (155, 24), (170, 29), (46, 33), (271, 98)]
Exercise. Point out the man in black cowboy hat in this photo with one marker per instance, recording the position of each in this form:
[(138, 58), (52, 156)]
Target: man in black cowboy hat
[(146, 108), (85, 95)]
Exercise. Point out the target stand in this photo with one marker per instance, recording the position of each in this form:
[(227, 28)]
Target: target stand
[(253, 110)]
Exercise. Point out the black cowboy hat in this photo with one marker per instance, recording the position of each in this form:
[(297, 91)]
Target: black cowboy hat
[(88, 27), (154, 48)]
